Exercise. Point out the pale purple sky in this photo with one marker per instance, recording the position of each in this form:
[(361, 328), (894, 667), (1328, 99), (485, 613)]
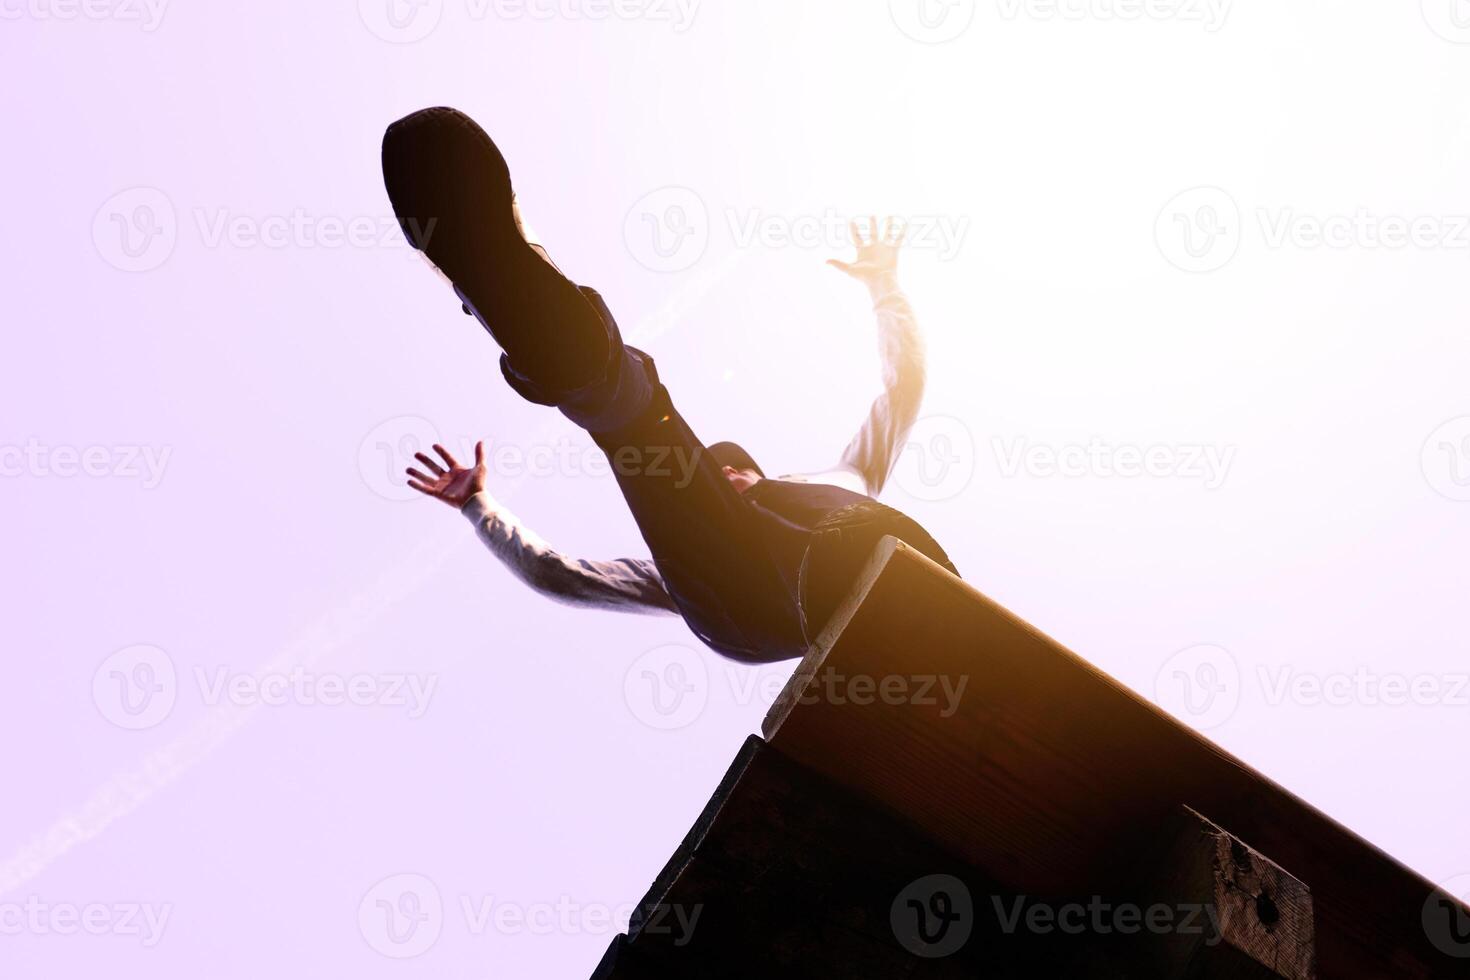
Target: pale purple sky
[(1193, 285)]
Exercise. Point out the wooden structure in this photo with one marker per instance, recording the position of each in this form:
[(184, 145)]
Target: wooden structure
[(943, 791)]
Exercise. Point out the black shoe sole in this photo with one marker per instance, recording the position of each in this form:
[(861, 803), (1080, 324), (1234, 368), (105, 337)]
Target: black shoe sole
[(451, 191)]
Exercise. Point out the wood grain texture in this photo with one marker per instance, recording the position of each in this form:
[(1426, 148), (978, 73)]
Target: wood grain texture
[(1234, 913), (785, 874), (1049, 776)]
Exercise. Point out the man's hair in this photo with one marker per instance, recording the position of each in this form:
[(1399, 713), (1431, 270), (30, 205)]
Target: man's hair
[(733, 455)]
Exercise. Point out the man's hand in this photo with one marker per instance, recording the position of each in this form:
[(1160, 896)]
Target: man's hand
[(456, 485), (877, 254)]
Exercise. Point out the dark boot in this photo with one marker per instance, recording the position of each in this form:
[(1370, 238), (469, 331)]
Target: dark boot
[(451, 192)]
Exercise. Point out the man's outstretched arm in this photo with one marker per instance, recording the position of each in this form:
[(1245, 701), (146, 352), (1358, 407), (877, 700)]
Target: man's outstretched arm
[(874, 451), (627, 584)]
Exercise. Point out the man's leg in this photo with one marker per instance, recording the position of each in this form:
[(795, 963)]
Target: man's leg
[(734, 581), (732, 573)]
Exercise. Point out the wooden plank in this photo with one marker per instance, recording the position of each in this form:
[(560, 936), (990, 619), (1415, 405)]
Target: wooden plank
[(1226, 911), (622, 962), (784, 871), (1048, 775), (685, 851)]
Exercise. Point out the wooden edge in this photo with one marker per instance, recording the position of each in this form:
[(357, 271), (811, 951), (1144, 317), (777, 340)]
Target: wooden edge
[(752, 745), (885, 553), (610, 966), (841, 616), (1263, 917)]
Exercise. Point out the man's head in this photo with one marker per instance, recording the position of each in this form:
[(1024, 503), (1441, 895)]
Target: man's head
[(739, 466)]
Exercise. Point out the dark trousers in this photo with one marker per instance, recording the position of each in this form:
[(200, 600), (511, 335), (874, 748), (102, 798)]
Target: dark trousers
[(732, 570)]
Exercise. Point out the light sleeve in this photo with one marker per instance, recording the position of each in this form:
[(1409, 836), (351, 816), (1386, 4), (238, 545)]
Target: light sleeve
[(625, 584), (874, 451)]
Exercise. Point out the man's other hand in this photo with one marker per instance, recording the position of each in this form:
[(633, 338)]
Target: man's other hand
[(877, 252), (455, 485)]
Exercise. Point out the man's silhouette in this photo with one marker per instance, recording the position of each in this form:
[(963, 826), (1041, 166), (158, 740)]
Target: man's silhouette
[(755, 566)]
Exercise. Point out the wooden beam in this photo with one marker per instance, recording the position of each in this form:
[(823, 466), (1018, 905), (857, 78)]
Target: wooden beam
[(786, 874), (1226, 911), (1047, 775)]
